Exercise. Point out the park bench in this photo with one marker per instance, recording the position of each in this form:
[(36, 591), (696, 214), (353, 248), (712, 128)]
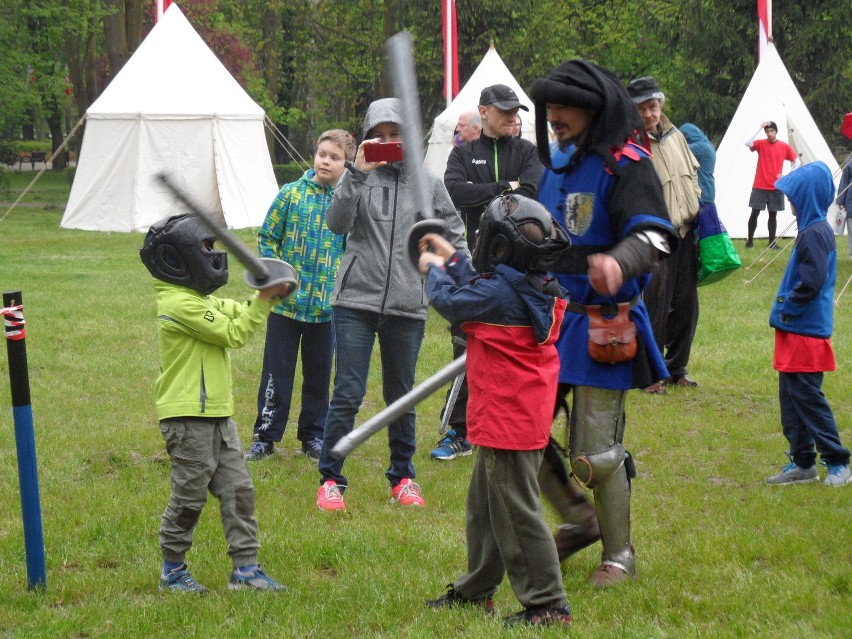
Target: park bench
[(36, 156)]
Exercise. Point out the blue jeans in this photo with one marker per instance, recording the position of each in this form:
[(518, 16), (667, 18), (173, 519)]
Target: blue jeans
[(399, 345), (284, 336), (807, 420)]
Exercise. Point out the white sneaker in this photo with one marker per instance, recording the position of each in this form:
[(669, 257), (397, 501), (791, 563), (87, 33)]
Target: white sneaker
[(838, 476)]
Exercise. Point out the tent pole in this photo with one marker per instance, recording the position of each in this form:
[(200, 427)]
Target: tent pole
[(44, 168)]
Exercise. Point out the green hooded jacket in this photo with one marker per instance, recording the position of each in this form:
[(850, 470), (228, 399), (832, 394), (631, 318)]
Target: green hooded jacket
[(194, 333)]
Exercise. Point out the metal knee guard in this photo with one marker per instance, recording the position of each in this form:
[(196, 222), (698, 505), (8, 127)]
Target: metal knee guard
[(597, 430), (597, 460)]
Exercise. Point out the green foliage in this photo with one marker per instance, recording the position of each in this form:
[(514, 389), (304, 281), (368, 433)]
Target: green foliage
[(315, 65), (720, 554), (9, 151), (286, 173), (28, 146)]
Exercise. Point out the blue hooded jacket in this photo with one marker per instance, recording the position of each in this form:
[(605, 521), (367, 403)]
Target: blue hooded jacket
[(704, 152), (805, 301)]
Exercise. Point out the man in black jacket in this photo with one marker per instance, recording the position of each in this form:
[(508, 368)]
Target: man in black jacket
[(495, 164)]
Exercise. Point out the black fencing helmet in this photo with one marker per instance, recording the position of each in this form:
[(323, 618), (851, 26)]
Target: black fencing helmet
[(179, 250), (520, 233)]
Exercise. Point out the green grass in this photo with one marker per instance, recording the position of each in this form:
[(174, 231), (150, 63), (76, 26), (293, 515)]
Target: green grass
[(719, 553), (49, 193)]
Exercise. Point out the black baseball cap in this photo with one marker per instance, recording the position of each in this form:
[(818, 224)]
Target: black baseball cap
[(502, 97)]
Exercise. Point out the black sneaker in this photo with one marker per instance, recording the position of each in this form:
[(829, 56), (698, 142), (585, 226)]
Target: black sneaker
[(312, 448), (749, 244), (452, 599), (540, 616), (259, 449)]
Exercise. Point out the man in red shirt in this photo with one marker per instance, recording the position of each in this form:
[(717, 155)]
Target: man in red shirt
[(771, 153)]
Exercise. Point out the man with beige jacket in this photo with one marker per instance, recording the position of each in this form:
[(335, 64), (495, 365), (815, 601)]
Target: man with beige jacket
[(672, 295)]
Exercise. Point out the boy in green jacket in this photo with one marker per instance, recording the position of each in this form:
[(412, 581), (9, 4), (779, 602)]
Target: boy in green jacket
[(194, 398)]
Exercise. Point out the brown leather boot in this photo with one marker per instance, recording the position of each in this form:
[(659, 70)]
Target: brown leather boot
[(572, 537)]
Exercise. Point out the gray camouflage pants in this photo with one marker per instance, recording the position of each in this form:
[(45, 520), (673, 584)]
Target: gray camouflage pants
[(206, 455)]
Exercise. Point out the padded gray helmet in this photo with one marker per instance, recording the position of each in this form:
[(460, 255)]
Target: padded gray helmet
[(179, 250), (503, 239)]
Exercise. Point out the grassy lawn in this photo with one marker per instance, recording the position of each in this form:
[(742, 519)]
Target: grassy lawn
[(50, 192), (719, 553)]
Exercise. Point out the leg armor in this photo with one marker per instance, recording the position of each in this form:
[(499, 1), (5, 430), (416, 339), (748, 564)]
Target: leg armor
[(579, 527), (597, 460)]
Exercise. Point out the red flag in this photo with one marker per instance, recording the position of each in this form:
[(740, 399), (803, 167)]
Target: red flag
[(451, 56), (764, 26), (162, 5)]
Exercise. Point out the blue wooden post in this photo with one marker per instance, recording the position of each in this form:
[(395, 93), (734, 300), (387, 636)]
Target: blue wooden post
[(13, 320)]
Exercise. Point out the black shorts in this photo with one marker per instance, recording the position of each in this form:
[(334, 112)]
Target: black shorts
[(770, 200)]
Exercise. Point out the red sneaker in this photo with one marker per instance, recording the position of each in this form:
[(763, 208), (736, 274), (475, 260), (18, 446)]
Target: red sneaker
[(407, 493), (329, 497)]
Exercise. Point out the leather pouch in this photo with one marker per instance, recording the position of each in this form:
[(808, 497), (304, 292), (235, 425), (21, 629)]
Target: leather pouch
[(612, 340)]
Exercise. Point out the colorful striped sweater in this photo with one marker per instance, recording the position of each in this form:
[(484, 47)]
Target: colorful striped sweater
[(295, 231)]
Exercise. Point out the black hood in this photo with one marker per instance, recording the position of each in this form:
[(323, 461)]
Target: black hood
[(584, 84)]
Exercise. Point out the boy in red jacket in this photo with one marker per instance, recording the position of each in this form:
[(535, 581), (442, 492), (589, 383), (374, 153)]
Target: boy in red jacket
[(511, 314)]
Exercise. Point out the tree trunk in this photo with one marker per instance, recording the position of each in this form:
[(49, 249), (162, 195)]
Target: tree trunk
[(115, 36)]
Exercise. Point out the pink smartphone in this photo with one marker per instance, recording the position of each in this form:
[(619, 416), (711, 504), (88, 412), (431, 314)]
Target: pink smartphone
[(383, 152)]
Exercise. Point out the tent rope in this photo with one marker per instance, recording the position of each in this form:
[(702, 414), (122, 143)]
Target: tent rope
[(44, 168), (285, 143), (837, 301)]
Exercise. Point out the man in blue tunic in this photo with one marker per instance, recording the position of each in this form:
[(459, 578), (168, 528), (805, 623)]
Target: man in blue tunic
[(608, 197)]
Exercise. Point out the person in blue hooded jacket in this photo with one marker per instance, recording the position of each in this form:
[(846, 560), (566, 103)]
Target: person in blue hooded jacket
[(704, 152), (802, 316)]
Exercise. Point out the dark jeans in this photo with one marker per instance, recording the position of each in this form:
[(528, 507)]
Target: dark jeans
[(284, 336), (807, 420), (672, 301), (399, 345)]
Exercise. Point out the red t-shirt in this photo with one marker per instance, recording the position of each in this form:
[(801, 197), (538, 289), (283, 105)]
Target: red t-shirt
[(770, 161), (801, 354)]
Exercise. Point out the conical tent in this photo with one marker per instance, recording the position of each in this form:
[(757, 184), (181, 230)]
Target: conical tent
[(173, 107), (771, 95), (490, 71)]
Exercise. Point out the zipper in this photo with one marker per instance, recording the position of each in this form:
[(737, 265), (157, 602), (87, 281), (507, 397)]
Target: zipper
[(393, 234)]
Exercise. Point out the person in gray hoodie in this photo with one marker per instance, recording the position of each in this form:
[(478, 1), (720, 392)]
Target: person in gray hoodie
[(378, 292)]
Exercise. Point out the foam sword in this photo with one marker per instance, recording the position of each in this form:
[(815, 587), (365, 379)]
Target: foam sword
[(263, 272), (400, 58)]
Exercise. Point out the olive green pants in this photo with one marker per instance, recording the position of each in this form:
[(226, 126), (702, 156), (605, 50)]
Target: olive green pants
[(206, 455), (507, 533)]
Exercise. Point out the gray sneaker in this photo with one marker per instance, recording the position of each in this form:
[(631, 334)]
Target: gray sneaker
[(838, 476), (179, 580), (312, 448), (253, 579), (792, 473), (259, 449)]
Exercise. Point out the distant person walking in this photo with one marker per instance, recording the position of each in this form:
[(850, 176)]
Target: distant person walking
[(771, 153)]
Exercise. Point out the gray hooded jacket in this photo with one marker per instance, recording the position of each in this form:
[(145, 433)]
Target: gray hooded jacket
[(375, 210)]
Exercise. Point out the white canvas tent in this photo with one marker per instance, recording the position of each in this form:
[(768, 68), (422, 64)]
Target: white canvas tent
[(771, 95), (173, 107), (490, 71)]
